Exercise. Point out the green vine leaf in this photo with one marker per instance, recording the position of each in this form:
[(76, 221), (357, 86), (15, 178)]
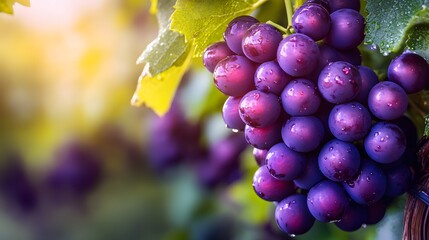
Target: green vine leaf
[(203, 21), (391, 23), (418, 40), (6, 6)]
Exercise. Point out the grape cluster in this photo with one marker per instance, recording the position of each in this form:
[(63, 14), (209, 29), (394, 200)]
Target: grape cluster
[(332, 142)]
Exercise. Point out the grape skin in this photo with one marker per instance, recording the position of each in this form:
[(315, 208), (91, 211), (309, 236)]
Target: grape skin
[(353, 218), (311, 173), (300, 97), (303, 134), (339, 161), (260, 42), (292, 215), (385, 142), (263, 138), (312, 20), (259, 109), (214, 53), (269, 188), (230, 114), (387, 100), (298, 55), (235, 31), (339, 82), (284, 163), (369, 79), (269, 77), (233, 76), (347, 29)]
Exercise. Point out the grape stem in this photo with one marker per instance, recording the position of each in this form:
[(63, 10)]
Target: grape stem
[(279, 27), (289, 11)]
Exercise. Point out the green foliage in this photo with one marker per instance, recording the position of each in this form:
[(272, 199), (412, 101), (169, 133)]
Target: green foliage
[(6, 6), (393, 25), (203, 22)]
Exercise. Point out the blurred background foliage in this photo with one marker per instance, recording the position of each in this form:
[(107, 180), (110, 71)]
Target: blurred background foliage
[(77, 161)]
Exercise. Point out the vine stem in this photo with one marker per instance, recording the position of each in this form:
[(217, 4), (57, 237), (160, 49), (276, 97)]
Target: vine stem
[(289, 11)]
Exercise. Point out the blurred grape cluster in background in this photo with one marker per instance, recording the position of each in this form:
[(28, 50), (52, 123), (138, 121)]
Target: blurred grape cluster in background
[(77, 161)]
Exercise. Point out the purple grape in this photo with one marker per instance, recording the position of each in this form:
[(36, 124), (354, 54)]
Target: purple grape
[(376, 212), (260, 155), (311, 173), (269, 188), (284, 163), (264, 137), (300, 97), (387, 100), (214, 53), (368, 186), (334, 5), (230, 114), (292, 215), (369, 79), (323, 3), (339, 82), (327, 201), (385, 142), (347, 29), (269, 77), (233, 75), (399, 179), (410, 71), (353, 218), (349, 121), (260, 42), (312, 20), (352, 56), (328, 54), (235, 31), (298, 55), (303, 134), (338, 160), (259, 109)]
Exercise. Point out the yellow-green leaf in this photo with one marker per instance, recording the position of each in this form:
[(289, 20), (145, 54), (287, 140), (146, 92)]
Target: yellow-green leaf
[(157, 91), (203, 21), (6, 6)]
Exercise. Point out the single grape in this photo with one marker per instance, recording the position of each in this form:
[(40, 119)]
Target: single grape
[(260, 42), (399, 179), (338, 160), (347, 29), (214, 53), (292, 215), (327, 201), (300, 97), (298, 55), (334, 5), (269, 188), (230, 114), (339, 82), (328, 54), (369, 79), (385, 143), (369, 185), (410, 71), (284, 163), (260, 155), (233, 75), (264, 137), (311, 173), (312, 20), (349, 121), (235, 31), (303, 134), (387, 100), (259, 109), (269, 77), (353, 218)]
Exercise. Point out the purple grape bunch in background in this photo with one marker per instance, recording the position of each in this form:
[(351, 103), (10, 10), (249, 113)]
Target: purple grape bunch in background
[(327, 134)]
